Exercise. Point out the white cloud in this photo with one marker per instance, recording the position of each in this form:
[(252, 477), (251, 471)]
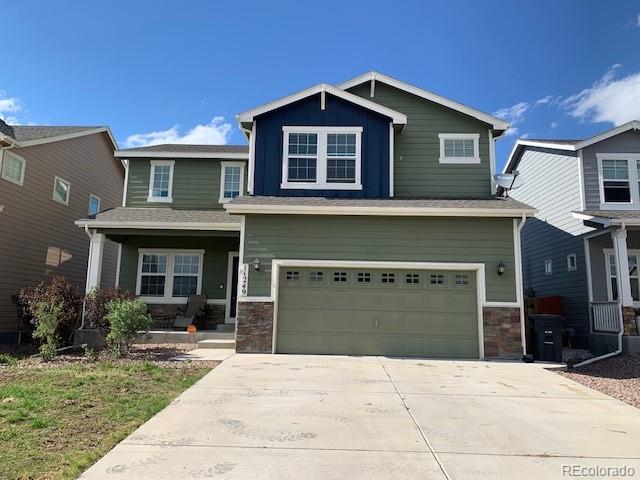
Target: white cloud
[(514, 115), (638, 21), (544, 100), (616, 101), (216, 132), (554, 124), (9, 105)]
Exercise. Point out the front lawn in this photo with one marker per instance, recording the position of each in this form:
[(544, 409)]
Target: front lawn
[(56, 419)]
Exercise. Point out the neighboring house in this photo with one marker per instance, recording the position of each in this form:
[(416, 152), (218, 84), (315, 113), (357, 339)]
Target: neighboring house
[(49, 176), (586, 230), (369, 225)]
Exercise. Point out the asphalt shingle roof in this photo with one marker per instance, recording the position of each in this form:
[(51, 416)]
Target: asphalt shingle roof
[(163, 215), (23, 133), (179, 148), (561, 141), (497, 203), (616, 214)]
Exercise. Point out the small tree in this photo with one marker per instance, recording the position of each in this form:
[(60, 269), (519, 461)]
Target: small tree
[(48, 317), (126, 317)]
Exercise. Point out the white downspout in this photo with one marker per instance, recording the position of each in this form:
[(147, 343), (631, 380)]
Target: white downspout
[(520, 293), (618, 351)]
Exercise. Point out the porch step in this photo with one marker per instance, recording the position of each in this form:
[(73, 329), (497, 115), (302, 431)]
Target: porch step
[(168, 336), (220, 343), (226, 327)]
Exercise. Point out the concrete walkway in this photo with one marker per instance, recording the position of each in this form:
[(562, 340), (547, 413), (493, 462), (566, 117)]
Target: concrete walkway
[(321, 417)]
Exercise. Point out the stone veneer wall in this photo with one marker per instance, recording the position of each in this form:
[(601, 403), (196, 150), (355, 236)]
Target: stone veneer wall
[(502, 334), (213, 314), (254, 327), (629, 320)]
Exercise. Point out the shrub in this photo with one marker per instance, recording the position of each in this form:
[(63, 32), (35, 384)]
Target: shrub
[(96, 306), (48, 322), (55, 292), (6, 359), (126, 317)]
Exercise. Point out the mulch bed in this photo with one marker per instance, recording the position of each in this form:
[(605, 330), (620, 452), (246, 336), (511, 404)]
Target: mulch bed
[(158, 354), (618, 377)]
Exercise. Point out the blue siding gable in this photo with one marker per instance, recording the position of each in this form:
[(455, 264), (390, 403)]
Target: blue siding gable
[(337, 113)]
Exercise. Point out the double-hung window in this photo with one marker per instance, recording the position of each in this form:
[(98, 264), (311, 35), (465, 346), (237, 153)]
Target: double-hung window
[(161, 181), (231, 180), (167, 275), (619, 175), (12, 167), (94, 204), (322, 158), (633, 257), (461, 148), (61, 190)]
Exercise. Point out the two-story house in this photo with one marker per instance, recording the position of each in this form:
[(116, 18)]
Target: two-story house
[(584, 243), (362, 218), (50, 176)]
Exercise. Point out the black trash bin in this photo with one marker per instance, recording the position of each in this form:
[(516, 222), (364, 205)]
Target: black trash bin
[(547, 337)]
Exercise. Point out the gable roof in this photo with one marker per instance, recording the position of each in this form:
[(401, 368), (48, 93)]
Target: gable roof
[(28, 135), (172, 150), (565, 144), (248, 116), (374, 76)]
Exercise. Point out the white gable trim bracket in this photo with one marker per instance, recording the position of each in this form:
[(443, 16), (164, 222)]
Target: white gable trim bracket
[(373, 77), (323, 88)]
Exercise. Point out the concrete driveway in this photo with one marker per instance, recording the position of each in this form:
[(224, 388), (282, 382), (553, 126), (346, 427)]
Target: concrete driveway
[(317, 417)]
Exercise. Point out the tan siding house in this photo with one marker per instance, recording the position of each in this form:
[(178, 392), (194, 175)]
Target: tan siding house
[(49, 177)]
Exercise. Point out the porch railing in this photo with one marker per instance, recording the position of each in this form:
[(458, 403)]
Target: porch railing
[(606, 316)]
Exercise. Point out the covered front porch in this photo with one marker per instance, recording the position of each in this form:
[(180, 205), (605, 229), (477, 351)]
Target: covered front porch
[(613, 259), (167, 257)]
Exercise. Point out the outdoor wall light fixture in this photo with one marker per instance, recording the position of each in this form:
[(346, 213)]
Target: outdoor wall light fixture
[(501, 268), (256, 264)]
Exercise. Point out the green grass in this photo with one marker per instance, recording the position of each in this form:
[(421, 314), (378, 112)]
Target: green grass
[(56, 421)]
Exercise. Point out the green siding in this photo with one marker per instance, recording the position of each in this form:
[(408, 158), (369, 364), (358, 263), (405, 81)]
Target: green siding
[(196, 184), (417, 171), (215, 262), (317, 314), (406, 239)]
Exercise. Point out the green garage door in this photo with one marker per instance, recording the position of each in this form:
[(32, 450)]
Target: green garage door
[(377, 312)]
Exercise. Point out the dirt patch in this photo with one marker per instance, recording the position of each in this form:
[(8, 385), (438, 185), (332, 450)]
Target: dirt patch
[(618, 377)]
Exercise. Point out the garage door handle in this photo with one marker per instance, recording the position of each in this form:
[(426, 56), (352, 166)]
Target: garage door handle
[(376, 322)]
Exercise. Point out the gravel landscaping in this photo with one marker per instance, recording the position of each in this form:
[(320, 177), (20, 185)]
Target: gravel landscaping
[(618, 377)]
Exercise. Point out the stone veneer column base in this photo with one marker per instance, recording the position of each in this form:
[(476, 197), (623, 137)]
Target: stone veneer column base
[(254, 327), (502, 334), (629, 320)]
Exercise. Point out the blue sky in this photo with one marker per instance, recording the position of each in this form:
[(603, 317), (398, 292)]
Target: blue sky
[(167, 71)]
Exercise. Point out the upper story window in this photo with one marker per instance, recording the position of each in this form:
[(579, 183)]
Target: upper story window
[(460, 148), (161, 181), (13, 167), (322, 158), (61, 190), (231, 180), (619, 180), (94, 204)]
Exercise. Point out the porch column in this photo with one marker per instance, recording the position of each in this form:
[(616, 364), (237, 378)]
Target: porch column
[(619, 238), (94, 264)]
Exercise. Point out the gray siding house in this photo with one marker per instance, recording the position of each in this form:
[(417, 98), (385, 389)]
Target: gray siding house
[(361, 218), (584, 242), (49, 176)]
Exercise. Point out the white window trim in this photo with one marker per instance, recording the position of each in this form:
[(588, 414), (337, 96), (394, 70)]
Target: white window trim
[(223, 166), (24, 167), (168, 284), (169, 198), (607, 266), (549, 262), (91, 197), (56, 179), (631, 158), (321, 162), (460, 136), (575, 262)]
